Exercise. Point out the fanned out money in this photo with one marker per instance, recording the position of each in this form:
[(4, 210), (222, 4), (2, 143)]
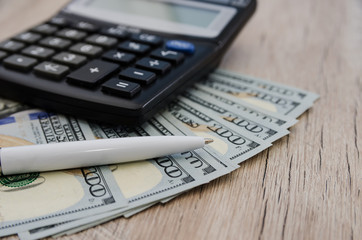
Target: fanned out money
[(244, 116)]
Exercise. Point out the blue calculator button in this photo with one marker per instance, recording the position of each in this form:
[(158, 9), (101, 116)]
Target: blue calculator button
[(180, 46)]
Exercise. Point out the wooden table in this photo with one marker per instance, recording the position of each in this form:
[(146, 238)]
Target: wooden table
[(308, 185)]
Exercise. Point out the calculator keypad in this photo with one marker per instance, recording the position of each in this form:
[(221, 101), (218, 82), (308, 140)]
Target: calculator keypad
[(111, 60)]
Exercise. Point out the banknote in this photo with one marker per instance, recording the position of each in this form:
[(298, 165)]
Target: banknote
[(206, 162), (206, 165), (230, 103), (258, 97), (8, 107), (36, 199), (242, 114), (273, 87), (58, 229), (245, 122), (227, 140), (141, 182), (158, 178), (33, 233), (83, 227), (71, 227)]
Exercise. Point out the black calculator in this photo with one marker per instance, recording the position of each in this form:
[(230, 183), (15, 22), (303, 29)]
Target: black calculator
[(118, 61)]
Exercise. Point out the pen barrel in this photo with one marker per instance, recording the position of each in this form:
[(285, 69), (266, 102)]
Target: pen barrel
[(57, 156)]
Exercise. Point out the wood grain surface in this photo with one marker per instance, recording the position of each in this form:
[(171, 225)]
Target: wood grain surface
[(308, 184)]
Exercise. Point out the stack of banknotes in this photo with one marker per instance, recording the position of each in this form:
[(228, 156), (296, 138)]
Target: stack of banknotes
[(243, 115)]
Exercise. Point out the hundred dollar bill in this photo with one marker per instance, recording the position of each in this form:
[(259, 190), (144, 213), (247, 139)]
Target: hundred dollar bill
[(80, 228), (273, 87), (59, 229), (203, 160), (232, 104), (142, 182), (245, 122), (83, 227), (8, 107), (72, 227), (176, 174), (32, 200), (33, 233), (227, 140), (206, 162), (258, 97)]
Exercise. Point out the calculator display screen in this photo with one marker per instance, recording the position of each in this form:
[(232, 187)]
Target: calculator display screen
[(171, 16), (160, 10)]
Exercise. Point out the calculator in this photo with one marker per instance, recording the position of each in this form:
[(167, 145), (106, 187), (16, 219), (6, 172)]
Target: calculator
[(118, 61)]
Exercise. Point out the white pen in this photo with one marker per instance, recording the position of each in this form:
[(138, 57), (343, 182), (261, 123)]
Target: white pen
[(57, 156)]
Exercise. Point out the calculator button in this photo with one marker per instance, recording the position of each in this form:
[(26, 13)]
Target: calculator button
[(11, 46), (119, 57), (134, 47), (2, 55), (55, 42), (70, 59), (51, 70), (239, 3), (138, 75), (121, 87), (116, 32), (86, 49), (19, 62), (28, 37), (102, 40), (147, 38), (59, 21), (46, 29), (71, 34), (85, 26), (38, 52), (154, 65), (92, 73), (168, 55), (180, 46), (226, 2)]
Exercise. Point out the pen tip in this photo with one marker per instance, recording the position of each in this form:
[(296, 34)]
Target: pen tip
[(208, 140)]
